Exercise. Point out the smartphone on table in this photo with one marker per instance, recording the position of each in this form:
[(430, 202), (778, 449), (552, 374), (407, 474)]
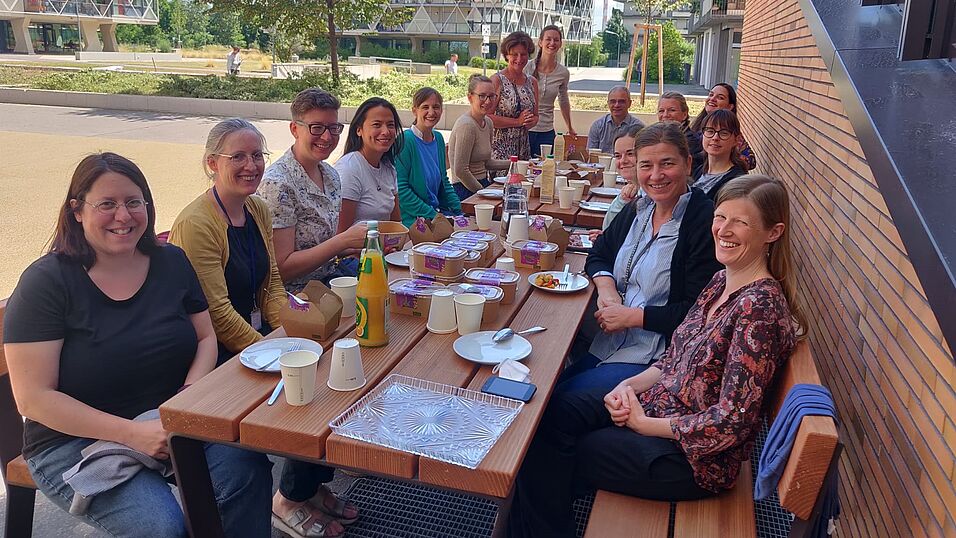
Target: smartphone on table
[(507, 388)]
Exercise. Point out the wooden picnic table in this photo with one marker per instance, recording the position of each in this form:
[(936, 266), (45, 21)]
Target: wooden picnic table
[(573, 216), (228, 405)]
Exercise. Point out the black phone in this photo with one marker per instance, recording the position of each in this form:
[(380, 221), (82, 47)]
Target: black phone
[(516, 390)]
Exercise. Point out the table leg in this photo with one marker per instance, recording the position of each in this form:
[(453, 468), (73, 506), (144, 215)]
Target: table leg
[(504, 511), (195, 487)]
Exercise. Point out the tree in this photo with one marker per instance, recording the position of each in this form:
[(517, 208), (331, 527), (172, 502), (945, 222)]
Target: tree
[(677, 51), (619, 41), (225, 29), (308, 20), (590, 54)]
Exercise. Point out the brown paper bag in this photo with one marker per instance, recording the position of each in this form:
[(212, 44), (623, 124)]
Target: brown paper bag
[(577, 147), (316, 316)]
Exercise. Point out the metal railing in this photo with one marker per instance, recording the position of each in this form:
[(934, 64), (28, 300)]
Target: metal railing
[(715, 10), (114, 9)]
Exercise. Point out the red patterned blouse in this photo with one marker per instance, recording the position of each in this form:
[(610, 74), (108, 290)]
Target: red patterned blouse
[(715, 374)]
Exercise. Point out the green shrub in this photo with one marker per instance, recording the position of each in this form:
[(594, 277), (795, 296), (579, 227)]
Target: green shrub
[(677, 52)]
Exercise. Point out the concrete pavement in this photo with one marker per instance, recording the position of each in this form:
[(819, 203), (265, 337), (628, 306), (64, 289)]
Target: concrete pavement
[(601, 79)]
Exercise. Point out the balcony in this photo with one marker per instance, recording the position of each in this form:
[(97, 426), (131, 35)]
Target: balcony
[(716, 12), (138, 10)]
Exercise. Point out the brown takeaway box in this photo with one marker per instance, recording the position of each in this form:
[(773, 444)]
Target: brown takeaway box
[(317, 318)]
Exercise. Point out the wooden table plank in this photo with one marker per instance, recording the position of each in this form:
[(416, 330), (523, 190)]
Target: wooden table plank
[(468, 204), (623, 516), (567, 216), (495, 475)]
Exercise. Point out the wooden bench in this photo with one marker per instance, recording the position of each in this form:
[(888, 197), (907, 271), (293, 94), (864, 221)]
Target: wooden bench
[(731, 514)]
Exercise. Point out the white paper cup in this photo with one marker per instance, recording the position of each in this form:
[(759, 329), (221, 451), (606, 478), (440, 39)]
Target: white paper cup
[(523, 168), (560, 181), (613, 167), (484, 215), (507, 264), (606, 161), (345, 371), (545, 150), (610, 179), (517, 228), (298, 374), (579, 185), (344, 287), (441, 313), (565, 197), (468, 309)]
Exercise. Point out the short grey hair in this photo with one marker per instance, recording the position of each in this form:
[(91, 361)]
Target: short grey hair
[(311, 99), (217, 138), (620, 87)]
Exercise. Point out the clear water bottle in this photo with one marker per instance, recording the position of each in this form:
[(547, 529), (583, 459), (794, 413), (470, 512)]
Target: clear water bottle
[(515, 199)]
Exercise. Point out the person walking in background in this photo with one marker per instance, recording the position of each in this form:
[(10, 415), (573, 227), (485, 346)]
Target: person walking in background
[(553, 79), (469, 146), (423, 187), (517, 109), (618, 120), (451, 65), (233, 61), (724, 96)]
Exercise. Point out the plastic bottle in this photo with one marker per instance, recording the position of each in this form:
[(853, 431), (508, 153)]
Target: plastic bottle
[(371, 296), (515, 198), (560, 153)]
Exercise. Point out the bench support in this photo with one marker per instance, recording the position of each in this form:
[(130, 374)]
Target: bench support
[(195, 487), (20, 503), (801, 528)]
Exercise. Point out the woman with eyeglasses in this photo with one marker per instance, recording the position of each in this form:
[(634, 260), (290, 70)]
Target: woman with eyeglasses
[(721, 134), (227, 235), (469, 145), (517, 107), (423, 187), (103, 329), (723, 96), (304, 194)]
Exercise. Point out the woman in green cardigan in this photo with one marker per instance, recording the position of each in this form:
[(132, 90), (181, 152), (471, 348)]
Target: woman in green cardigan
[(423, 186)]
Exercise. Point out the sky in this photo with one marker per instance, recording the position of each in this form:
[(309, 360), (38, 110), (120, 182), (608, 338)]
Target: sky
[(598, 14)]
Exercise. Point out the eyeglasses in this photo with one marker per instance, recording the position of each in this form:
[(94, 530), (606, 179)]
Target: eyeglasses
[(318, 129), (482, 97), (109, 207), (241, 159), (723, 134)]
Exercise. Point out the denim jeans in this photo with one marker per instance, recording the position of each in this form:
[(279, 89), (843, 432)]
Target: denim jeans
[(462, 191), (536, 139), (145, 505)]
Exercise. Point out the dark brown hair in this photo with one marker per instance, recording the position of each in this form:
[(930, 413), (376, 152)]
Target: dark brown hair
[(69, 239), (725, 119), (311, 99), (423, 94), (546, 29), (516, 39), (698, 124), (665, 132)]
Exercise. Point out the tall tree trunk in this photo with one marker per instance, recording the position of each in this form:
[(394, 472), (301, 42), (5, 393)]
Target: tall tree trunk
[(333, 41)]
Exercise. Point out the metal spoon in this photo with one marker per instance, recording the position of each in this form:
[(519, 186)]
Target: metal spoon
[(507, 333)]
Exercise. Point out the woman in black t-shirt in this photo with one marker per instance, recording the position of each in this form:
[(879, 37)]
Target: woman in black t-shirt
[(106, 326)]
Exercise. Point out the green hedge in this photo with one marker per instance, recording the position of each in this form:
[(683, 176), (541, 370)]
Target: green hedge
[(490, 63)]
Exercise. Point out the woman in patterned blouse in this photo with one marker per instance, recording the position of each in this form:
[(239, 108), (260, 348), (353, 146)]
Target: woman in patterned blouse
[(680, 429), (517, 109)]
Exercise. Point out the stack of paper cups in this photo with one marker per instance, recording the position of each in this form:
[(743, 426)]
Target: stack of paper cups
[(468, 309), (441, 313), (517, 228), (346, 372)]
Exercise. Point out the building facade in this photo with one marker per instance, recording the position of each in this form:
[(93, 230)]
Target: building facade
[(63, 26), (457, 24), (716, 27)]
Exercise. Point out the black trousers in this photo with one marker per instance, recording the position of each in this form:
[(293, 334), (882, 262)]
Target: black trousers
[(300, 481), (577, 448)]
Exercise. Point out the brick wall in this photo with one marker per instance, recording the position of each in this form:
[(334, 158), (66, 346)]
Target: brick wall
[(876, 341)]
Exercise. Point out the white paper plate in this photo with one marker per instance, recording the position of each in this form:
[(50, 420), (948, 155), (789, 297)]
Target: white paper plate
[(478, 347), (578, 282), (621, 180), (600, 207), (265, 351), (609, 192), (398, 259), (491, 193), (502, 180)]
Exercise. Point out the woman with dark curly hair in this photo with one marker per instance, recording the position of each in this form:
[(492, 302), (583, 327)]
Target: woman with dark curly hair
[(517, 110)]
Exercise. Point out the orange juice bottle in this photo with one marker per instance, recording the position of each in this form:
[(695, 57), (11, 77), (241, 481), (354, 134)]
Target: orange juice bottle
[(371, 296)]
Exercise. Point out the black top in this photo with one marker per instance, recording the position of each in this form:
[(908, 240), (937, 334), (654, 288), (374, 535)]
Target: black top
[(735, 171), (246, 269), (121, 357), (695, 144), (693, 265)]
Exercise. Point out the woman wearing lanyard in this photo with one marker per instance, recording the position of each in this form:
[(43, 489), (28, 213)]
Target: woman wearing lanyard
[(227, 235), (553, 79)]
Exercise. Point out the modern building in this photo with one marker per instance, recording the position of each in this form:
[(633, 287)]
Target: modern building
[(716, 26), (61, 26), (457, 24)]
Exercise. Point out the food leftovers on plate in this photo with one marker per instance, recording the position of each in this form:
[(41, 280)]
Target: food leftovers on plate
[(547, 281)]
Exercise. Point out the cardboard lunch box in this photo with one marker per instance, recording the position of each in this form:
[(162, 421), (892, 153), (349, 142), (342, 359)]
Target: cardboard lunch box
[(412, 297), (317, 317), (394, 234), (439, 228), (550, 230), (537, 255)]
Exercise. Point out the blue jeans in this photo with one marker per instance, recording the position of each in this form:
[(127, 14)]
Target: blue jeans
[(462, 191), (536, 139), (145, 505)]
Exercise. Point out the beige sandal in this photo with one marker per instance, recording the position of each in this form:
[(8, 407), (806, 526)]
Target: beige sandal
[(297, 524), (338, 511)]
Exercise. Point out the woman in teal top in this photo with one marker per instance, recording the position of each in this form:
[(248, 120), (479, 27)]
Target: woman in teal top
[(423, 186)]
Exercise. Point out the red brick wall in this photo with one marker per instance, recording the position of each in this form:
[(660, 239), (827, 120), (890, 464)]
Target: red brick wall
[(876, 341)]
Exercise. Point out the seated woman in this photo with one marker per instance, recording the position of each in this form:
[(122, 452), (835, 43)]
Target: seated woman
[(367, 169), (680, 429), (469, 145), (304, 196), (227, 235), (626, 158), (721, 132), (651, 263), (423, 187), (672, 106), (723, 97), (106, 326)]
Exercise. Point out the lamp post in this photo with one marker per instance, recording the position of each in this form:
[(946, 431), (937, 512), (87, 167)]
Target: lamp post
[(618, 59)]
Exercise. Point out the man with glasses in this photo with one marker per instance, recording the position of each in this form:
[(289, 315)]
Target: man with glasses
[(618, 120)]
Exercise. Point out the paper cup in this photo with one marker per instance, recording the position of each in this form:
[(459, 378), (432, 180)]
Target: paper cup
[(579, 185), (345, 371), (344, 287), (560, 181), (613, 167), (468, 310), (610, 179), (507, 264), (517, 228), (565, 197), (606, 161), (545, 150), (441, 313), (522, 167), (484, 215), (298, 374)]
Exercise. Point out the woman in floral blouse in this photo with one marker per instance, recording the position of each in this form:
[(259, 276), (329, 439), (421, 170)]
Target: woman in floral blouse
[(680, 429)]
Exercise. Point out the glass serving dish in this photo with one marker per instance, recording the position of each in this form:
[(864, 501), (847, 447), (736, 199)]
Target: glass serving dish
[(434, 420)]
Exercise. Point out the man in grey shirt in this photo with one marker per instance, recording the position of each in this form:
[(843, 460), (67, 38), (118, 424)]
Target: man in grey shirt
[(606, 128)]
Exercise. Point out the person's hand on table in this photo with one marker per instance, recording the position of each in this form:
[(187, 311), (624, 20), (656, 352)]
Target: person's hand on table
[(594, 234), (572, 132), (629, 192), (617, 317), (148, 437)]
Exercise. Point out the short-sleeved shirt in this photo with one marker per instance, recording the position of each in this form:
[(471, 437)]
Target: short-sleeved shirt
[(603, 131), (120, 357), (373, 189), (297, 202)]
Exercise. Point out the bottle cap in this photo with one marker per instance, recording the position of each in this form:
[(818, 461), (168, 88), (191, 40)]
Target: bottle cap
[(514, 158), (373, 234)]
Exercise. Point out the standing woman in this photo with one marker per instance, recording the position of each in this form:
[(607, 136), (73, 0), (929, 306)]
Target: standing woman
[(553, 79), (517, 109), (367, 170), (724, 96), (227, 235), (423, 187), (469, 146), (721, 132), (106, 326)]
